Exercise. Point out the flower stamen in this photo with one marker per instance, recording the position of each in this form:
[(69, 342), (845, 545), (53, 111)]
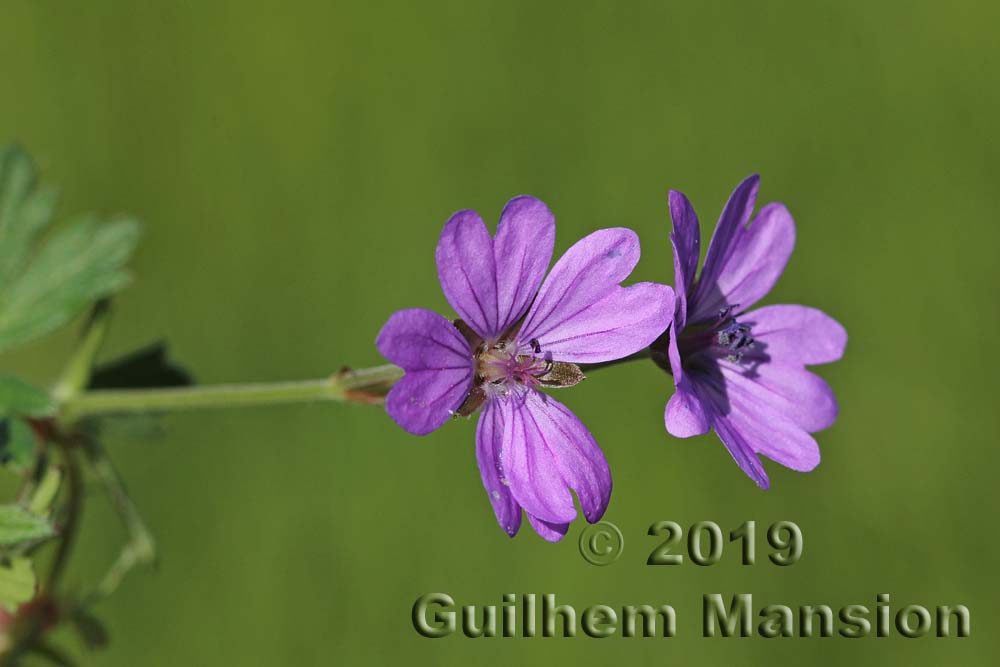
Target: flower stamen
[(732, 336)]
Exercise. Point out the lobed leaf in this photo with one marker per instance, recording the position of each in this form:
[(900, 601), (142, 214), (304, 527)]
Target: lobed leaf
[(79, 265)]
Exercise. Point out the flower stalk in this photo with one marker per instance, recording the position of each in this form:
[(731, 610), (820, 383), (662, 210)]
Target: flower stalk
[(366, 385)]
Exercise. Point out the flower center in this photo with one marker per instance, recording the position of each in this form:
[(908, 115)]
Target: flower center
[(507, 362), (735, 338), (725, 337)]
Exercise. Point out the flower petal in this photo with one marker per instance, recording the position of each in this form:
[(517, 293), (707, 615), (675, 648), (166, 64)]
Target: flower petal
[(674, 356), (551, 532), (467, 272), (734, 218), (686, 415), (711, 391), (758, 257), (741, 451), (771, 433), (590, 270), (419, 339), (438, 365), (792, 334), (548, 451), (522, 251), (583, 315), (424, 400), (623, 322), (686, 241), (748, 424), (529, 465), (489, 443), (792, 391)]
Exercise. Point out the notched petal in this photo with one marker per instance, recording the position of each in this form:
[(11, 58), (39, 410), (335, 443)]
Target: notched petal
[(467, 271), (489, 442), (548, 531)]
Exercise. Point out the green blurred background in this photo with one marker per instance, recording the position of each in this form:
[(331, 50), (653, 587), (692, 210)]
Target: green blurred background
[(293, 164)]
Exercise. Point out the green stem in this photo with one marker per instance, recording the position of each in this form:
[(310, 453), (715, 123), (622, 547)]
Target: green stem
[(77, 373), (140, 548), (73, 505), (367, 385)]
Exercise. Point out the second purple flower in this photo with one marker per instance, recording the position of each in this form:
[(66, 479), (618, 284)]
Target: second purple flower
[(738, 370), (516, 335)]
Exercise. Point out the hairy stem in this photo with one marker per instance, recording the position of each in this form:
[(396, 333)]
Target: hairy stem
[(366, 385)]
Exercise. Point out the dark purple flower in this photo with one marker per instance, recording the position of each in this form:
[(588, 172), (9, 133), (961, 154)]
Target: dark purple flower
[(517, 334), (743, 373)]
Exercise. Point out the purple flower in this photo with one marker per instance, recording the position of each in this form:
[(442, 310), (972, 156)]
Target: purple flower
[(517, 334), (743, 373)]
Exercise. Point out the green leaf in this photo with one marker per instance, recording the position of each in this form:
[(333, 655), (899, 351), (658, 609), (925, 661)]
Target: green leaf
[(17, 439), (79, 265), (17, 582), (17, 397), (18, 525)]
